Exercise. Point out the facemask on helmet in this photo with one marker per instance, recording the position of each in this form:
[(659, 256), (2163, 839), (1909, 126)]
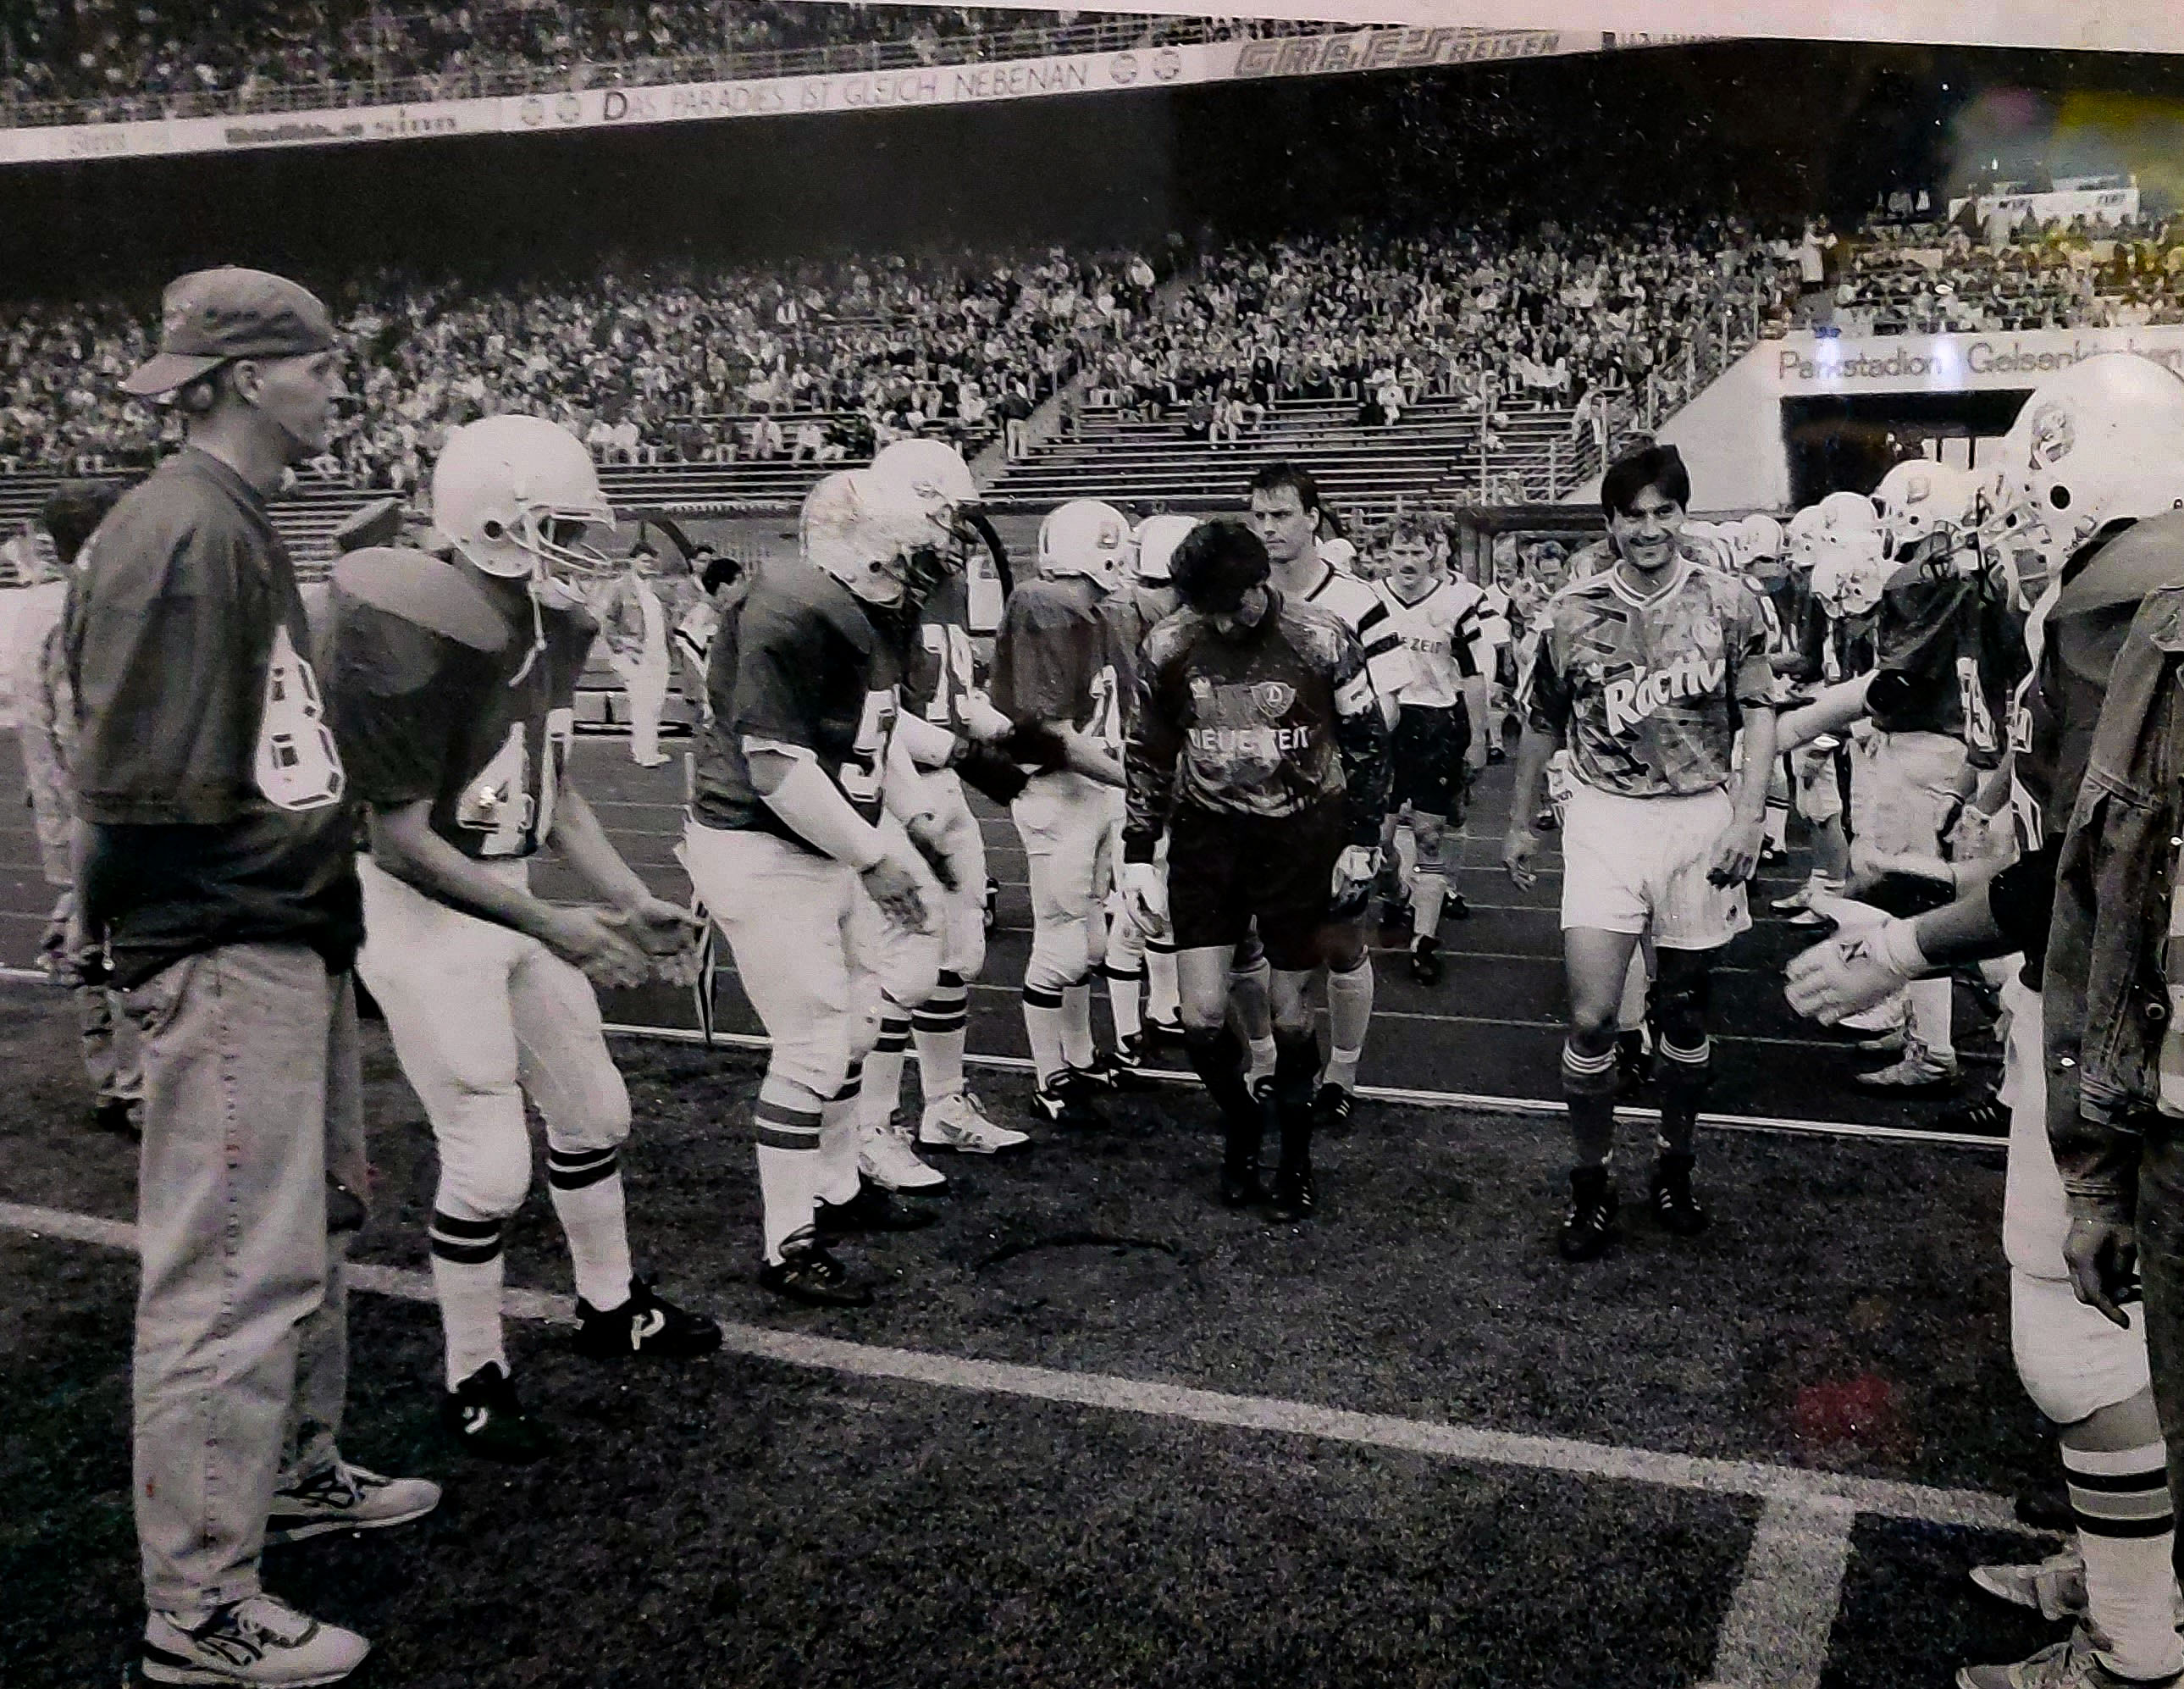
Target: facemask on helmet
[(1926, 510), (1850, 574), (868, 534), (518, 496), (933, 473), (1088, 537)]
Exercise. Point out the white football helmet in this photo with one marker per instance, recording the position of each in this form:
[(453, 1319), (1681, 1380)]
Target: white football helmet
[(1925, 508), (1152, 561), (1848, 513), (935, 473), (1085, 536), (1802, 540), (1848, 571), (519, 496), (2099, 442), (866, 532)]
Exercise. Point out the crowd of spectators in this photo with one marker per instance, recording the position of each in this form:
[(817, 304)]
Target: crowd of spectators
[(106, 59), (817, 361)]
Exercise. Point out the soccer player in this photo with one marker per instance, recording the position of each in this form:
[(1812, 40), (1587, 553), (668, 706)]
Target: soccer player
[(1286, 513), (807, 842), (451, 686), (1260, 745), (1440, 739), (214, 861), (1646, 671), (1055, 667), (2109, 435)]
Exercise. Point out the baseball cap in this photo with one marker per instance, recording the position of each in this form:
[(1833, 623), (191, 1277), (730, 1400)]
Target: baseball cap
[(209, 316)]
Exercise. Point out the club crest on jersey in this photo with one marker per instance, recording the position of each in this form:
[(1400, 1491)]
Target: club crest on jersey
[(1273, 698), (1630, 699), (1201, 692)]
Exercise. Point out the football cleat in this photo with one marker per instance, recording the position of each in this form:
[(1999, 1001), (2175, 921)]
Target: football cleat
[(870, 1210), (2054, 1588), (1454, 908), (1669, 1197), (1330, 1111), (1987, 1118), (644, 1324), (1109, 1071), (807, 1274), (483, 1415), (345, 1497), (1163, 1031), (1425, 960), (256, 1640), (1589, 1223), (886, 1158), (961, 1123), (1066, 1100), (1128, 1062), (2074, 1662), (1296, 1196)]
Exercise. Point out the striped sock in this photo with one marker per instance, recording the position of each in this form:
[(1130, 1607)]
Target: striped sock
[(586, 1186), (937, 1026), (2127, 1531), (1686, 1072), (1430, 890), (1077, 1024), (1588, 1090), (1163, 993), (466, 1277), (1124, 987), (1349, 1015), (883, 1088), (839, 1178), (788, 1160), (1043, 1027)]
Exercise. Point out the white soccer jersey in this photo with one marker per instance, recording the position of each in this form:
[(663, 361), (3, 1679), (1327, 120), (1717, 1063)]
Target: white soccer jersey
[(1445, 632), (1359, 605)]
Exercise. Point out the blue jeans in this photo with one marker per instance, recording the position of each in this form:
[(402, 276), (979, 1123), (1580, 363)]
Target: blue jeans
[(253, 1179)]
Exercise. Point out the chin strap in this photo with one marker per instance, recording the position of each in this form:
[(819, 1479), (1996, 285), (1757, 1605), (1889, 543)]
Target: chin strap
[(535, 595)]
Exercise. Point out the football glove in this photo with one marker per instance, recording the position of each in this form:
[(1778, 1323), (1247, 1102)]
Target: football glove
[(990, 774), (1037, 743), (1144, 889), (1852, 972), (1353, 886)]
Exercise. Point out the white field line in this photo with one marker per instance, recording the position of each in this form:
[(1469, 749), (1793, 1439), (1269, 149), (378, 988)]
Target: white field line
[(1471, 1445), (1775, 1633)]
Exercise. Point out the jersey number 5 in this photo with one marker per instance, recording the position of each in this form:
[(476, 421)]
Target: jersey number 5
[(866, 766), (296, 767)]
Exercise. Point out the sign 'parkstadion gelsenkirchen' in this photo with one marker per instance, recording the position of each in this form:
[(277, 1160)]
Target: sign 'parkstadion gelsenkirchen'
[(1339, 53)]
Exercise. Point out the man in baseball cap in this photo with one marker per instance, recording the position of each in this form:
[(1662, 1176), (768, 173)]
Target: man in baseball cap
[(212, 316)]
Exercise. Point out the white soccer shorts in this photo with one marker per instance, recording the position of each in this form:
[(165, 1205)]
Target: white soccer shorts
[(1639, 865)]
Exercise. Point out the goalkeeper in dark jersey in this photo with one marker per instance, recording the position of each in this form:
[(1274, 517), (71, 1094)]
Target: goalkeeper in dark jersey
[(1260, 746)]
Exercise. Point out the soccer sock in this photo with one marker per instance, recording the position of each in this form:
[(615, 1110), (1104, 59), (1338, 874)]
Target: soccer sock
[(466, 1277), (1631, 1014), (839, 1178), (882, 1093), (938, 1026), (788, 1118), (1077, 1024), (586, 1186), (1686, 1071), (1260, 1057), (1295, 1068), (2127, 1531), (1932, 1007), (1588, 1090), (1043, 1026), (1430, 891), (1163, 991), (1217, 1059), (1124, 986), (1349, 1015), (1777, 826)]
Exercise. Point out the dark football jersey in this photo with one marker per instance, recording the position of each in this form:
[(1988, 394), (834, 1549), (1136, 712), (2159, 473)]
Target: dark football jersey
[(796, 662), (1057, 660), (1270, 724), (1950, 656), (1134, 610), (939, 667), (439, 688)]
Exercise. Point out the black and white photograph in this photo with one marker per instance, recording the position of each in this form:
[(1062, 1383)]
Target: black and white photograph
[(862, 843)]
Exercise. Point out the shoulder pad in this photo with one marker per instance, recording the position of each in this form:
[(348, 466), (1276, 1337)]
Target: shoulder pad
[(417, 587), (2145, 557)]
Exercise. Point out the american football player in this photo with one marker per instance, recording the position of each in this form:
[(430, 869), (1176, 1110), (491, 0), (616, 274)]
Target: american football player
[(808, 841), (451, 687), (2099, 453), (1056, 665)]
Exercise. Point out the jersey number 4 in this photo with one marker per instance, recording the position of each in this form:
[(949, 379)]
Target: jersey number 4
[(296, 767)]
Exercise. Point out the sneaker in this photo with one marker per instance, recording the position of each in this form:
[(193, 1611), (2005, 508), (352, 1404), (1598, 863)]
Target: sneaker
[(1157, 1030), (1988, 1117), (1801, 898), (1330, 1112), (2054, 1588), (1128, 1062), (1918, 1074), (1107, 1073), (1669, 1196), (807, 1274), (960, 1122), (258, 1640), (644, 1324), (1065, 1100), (1589, 1223), (1425, 961), (1295, 1197), (870, 1210), (1454, 908), (2071, 1663), (483, 1415), (885, 1157), (345, 1497)]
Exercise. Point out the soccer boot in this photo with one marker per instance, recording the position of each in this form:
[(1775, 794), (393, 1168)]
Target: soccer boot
[(1330, 1111), (644, 1324), (256, 1640), (2071, 1663), (1109, 1073), (345, 1497), (1425, 960), (483, 1414), (1454, 908), (1634, 1062), (960, 1122), (1064, 1099), (1668, 1196), (1589, 1223), (807, 1274), (2054, 1588), (1128, 1062), (884, 1157), (870, 1210), (1296, 1195)]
